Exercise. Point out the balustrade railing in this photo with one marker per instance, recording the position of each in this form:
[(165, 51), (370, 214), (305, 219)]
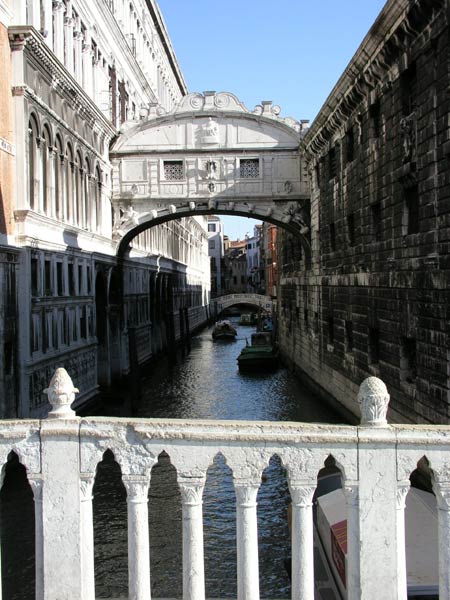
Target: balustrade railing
[(61, 454)]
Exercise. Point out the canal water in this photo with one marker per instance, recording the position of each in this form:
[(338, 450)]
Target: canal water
[(205, 384)]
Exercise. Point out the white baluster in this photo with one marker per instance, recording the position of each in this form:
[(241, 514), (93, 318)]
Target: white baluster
[(247, 538), (443, 501), (302, 540), (87, 535), (402, 492), (36, 485), (138, 538), (193, 559), (352, 576)]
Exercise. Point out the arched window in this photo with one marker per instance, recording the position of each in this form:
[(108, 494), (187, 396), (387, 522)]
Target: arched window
[(33, 163), (79, 203), (47, 187), (98, 198), (69, 184), (59, 179), (88, 217)]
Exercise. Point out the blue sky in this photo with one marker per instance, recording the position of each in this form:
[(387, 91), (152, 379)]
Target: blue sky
[(289, 51)]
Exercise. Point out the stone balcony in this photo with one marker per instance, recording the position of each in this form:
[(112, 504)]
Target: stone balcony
[(61, 454)]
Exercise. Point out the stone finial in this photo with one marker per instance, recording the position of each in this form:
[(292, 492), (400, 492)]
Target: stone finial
[(61, 394), (373, 399)]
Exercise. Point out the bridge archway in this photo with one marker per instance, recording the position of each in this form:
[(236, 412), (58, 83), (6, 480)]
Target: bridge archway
[(210, 155), (259, 301)]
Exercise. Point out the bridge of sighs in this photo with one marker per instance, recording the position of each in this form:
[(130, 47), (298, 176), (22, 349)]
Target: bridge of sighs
[(210, 155)]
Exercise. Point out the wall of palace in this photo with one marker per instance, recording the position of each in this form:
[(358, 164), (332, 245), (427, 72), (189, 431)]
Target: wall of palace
[(375, 300), (75, 75)]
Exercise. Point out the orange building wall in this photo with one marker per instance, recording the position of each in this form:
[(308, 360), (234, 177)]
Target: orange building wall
[(7, 160)]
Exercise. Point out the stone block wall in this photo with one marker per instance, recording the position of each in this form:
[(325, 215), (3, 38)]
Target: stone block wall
[(376, 300)]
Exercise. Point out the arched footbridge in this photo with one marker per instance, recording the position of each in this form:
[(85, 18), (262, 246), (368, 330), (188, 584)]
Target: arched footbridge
[(221, 303)]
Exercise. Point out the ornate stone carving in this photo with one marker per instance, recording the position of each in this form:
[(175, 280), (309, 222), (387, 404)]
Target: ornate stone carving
[(61, 393), (191, 490), (137, 488), (402, 492), (86, 486), (128, 218), (373, 399), (36, 484), (209, 132), (408, 131), (246, 492), (301, 494)]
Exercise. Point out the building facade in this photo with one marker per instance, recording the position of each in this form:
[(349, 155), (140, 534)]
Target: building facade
[(374, 298), (80, 74), (216, 252)]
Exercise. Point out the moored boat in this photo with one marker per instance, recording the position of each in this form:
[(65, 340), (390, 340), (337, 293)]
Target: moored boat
[(224, 330), (421, 541), (260, 355)]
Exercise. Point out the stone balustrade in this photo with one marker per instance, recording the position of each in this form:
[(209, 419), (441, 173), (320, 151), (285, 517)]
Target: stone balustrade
[(61, 454)]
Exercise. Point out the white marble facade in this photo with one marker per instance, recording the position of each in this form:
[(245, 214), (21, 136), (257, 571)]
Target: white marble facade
[(79, 71)]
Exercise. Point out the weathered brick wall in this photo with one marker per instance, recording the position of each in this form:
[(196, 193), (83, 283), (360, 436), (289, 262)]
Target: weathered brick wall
[(377, 297)]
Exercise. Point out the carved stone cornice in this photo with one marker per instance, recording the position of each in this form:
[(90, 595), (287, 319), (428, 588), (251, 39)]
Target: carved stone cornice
[(393, 33)]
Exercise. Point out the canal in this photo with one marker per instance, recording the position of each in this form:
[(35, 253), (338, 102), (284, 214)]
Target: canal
[(205, 384)]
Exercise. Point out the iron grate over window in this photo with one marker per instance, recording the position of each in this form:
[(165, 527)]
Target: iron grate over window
[(249, 168), (173, 170)]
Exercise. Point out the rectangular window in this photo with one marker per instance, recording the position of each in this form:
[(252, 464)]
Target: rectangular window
[(249, 168), (411, 195), (34, 276), (80, 280), (332, 237), (330, 324), (375, 213), (211, 227), (212, 244), (348, 336), (351, 229), (375, 119), (47, 278), (173, 170), (350, 145), (59, 279), (408, 360), (408, 89), (332, 163), (374, 346), (71, 278)]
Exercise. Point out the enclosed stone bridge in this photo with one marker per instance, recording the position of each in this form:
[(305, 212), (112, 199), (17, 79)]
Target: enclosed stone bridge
[(221, 303), (210, 155)]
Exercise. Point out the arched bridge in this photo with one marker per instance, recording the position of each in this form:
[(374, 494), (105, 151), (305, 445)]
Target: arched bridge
[(259, 301), (210, 155)]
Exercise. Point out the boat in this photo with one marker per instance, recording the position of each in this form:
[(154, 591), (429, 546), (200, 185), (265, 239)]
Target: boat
[(421, 540), (261, 354), (245, 319), (224, 330)]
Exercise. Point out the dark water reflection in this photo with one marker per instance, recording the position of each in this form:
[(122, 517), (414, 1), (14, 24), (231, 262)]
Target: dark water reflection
[(206, 385)]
